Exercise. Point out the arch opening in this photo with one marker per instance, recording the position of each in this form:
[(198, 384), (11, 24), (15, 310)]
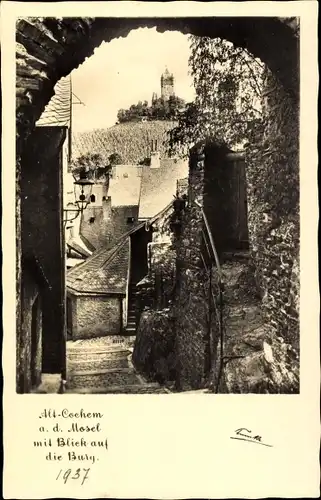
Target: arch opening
[(74, 40)]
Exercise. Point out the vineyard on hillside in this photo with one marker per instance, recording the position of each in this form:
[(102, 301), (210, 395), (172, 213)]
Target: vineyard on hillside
[(132, 141)]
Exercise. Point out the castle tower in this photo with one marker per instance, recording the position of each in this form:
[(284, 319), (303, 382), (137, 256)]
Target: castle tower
[(167, 85)]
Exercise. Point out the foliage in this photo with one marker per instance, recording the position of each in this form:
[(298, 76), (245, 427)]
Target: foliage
[(115, 159), (159, 110), (94, 165), (228, 83)]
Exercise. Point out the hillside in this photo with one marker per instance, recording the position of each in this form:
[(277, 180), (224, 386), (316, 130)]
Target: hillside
[(131, 140)]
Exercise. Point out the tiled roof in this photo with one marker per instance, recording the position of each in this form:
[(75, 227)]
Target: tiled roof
[(159, 185), (104, 272), (57, 111)]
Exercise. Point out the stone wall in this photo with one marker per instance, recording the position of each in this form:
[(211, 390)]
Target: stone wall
[(195, 339), (103, 225), (154, 350), (273, 261), (273, 215), (96, 316), (255, 359), (30, 348)]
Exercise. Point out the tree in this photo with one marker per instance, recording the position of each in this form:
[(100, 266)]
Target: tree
[(228, 83), (95, 166), (159, 110), (115, 159)]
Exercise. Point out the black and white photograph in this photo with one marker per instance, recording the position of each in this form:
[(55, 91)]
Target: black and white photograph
[(161, 303), (158, 177)]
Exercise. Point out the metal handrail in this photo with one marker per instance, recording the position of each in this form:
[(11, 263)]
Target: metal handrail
[(209, 232), (220, 280)]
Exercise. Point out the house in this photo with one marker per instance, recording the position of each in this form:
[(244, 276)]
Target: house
[(136, 195), (58, 114), (103, 225), (102, 291), (113, 210), (96, 293)]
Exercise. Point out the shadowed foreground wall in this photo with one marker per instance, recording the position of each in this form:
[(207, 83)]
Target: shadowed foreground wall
[(30, 349), (42, 244)]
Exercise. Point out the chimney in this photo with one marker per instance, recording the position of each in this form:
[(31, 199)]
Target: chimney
[(107, 208), (154, 159), (154, 155)]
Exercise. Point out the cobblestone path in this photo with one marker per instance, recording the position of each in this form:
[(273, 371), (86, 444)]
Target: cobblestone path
[(103, 366)]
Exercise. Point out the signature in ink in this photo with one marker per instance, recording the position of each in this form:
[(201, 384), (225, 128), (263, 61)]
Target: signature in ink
[(244, 434)]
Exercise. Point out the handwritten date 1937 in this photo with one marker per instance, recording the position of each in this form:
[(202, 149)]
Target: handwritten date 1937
[(79, 474)]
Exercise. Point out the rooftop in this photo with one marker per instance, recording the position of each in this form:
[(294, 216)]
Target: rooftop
[(57, 111), (104, 272)]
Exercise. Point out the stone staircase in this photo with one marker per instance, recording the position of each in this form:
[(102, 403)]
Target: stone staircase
[(104, 367), (131, 326), (255, 360)]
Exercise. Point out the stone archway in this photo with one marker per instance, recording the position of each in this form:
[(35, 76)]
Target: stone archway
[(50, 48)]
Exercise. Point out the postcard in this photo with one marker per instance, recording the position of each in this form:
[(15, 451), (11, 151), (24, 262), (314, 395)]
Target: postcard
[(161, 303)]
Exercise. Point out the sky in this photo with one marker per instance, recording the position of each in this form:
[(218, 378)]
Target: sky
[(125, 71)]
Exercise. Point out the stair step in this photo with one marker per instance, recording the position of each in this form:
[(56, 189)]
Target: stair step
[(236, 255), (124, 389), (99, 372)]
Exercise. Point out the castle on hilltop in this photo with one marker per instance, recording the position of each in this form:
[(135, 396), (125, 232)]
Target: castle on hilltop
[(166, 107), (167, 87)]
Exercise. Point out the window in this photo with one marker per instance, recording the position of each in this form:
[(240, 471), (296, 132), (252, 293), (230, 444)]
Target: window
[(130, 220), (91, 220), (125, 175), (93, 198), (104, 198)]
